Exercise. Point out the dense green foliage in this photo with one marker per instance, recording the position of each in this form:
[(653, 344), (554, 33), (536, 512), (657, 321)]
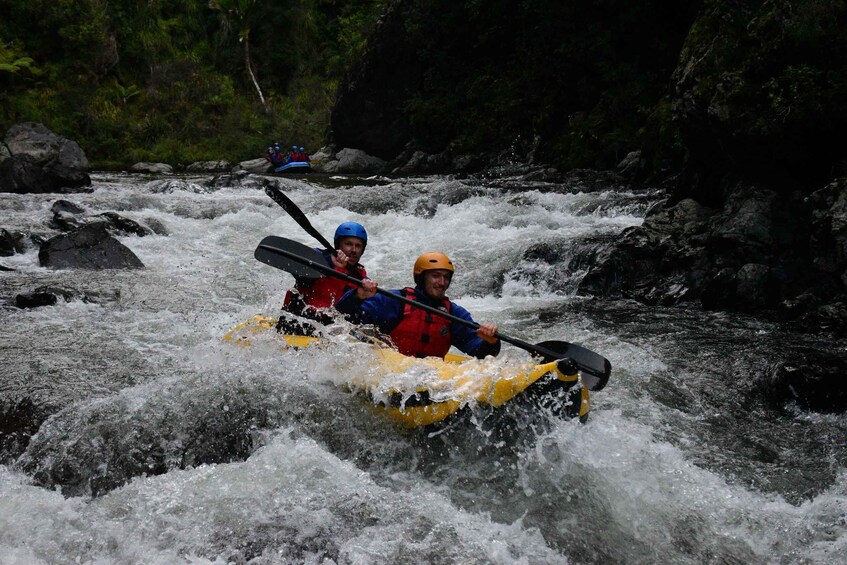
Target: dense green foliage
[(167, 80)]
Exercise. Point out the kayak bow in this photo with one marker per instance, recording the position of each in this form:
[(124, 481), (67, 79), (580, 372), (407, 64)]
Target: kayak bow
[(456, 381)]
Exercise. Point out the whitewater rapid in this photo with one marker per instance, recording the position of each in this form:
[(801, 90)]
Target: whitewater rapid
[(169, 446)]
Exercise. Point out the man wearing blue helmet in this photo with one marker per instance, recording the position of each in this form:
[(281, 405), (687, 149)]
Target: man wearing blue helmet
[(316, 298)]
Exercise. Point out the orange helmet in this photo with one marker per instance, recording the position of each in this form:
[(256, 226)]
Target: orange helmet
[(430, 261)]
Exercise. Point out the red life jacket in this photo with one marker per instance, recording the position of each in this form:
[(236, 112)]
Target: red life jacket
[(421, 334), (325, 292)]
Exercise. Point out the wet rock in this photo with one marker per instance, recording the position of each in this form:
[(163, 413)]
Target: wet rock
[(324, 154), (657, 262), (66, 206), (236, 179), (156, 226), (7, 244), (417, 162), (353, 161), (88, 247), (749, 289), (632, 166), (44, 146), (812, 379), (469, 163), (813, 317), (587, 180), (152, 168), (209, 166), (22, 174), (755, 253), (67, 217), (119, 225), (176, 185), (50, 295), (544, 174), (257, 166), (40, 162), (35, 299), (19, 421), (16, 242)]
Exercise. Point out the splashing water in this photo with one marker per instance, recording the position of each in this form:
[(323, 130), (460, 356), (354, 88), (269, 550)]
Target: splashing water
[(166, 445)]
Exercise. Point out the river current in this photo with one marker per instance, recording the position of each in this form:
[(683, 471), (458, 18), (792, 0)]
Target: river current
[(169, 446)]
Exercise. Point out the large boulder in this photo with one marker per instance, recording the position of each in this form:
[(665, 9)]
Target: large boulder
[(353, 161), (257, 166), (88, 247), (41, 161)]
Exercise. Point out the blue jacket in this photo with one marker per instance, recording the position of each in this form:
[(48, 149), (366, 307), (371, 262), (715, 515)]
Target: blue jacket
[(386, 313)]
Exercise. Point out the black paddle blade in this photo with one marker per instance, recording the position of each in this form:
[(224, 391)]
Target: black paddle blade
[(267, 254), (295, 212), (595, 368)]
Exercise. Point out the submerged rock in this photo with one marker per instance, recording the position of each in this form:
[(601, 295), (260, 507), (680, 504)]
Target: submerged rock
[(50, 295), (812, 379), (19, 421)]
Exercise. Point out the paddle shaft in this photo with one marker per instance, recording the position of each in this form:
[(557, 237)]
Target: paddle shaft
[(296, 213), (329, 271)]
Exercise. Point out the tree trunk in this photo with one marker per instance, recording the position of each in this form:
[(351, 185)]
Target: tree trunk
[(252, 76)]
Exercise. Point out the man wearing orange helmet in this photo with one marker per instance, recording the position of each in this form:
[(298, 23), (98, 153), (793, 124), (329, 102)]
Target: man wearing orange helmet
[(416, 332)]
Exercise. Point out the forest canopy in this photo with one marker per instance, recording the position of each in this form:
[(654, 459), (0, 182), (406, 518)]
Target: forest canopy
[(181, 80)]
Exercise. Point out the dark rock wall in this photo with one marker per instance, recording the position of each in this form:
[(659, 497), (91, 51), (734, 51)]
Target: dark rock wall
[(758, 95), (571, 81), (738, 105)]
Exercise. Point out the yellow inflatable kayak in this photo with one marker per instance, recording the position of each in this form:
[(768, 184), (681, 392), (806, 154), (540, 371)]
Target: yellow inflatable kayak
[(451, 384)]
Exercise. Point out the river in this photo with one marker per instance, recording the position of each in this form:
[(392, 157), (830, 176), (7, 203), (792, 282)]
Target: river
[(169, 446)]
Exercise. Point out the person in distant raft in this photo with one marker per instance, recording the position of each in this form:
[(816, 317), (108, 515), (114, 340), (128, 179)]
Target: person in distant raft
[(413, 331), (274, 156), (316, 298)]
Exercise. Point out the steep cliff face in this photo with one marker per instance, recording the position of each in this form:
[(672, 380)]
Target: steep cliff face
[(758, 96), (368, 112), (572, 81), (738, 101), (756, 221)]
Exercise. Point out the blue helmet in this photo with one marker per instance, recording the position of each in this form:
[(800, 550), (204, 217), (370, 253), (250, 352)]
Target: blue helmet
[(294, 147), (350, 229), (302, 149)]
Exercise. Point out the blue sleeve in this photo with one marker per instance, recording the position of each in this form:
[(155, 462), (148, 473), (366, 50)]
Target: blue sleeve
[(464, 337)]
